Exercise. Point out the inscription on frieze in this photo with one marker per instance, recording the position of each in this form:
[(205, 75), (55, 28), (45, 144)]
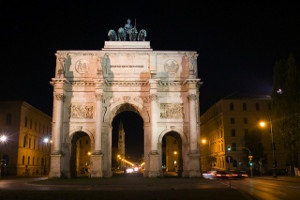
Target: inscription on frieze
[(171, 111), (126, 66)]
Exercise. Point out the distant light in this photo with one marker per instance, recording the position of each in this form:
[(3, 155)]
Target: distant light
[(129, 170), (262, 124), (3, 138), (135, 169), (279, 91), (46, 140)]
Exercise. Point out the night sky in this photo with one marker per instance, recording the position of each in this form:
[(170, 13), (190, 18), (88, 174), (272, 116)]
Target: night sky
[(238, 42)]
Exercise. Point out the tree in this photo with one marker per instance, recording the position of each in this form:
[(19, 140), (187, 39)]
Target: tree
[(253, 142), (286, 107)]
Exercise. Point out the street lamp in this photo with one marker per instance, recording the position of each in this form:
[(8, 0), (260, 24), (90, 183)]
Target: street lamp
[(3, 139), (274, 165), (46, 163), (207, 160)]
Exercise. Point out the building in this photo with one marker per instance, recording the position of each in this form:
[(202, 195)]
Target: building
[(231, 131), (27, 133)]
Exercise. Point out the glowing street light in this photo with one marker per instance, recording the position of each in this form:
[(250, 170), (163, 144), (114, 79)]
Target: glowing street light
[(206, 158), (264, 124), (3, 139), (47, 141)]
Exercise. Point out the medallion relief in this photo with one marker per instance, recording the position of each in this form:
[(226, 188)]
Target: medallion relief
[(171, 66), (81, 66)]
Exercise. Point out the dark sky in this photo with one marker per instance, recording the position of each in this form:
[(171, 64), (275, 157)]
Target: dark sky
[(238, 42)]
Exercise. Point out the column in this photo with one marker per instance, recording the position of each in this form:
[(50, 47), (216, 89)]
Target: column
[(154, 111), (98, 123), (193, 123), (57, 122)]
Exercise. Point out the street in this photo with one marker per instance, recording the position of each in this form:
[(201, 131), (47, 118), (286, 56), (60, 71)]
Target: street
[(137, 187)]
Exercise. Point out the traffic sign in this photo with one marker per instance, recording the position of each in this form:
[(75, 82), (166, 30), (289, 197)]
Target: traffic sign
[(229, 159)]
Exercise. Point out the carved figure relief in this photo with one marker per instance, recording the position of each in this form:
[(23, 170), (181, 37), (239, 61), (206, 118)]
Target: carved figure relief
[(105, 64), (81, 66), (193, 64), (171, 111), (81, 111), (64, 61)]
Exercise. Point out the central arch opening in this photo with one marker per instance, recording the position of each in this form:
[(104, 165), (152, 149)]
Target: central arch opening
[(127, 142)]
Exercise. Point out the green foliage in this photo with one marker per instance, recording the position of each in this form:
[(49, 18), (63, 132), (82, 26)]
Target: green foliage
[(286, 106), (253, 142)]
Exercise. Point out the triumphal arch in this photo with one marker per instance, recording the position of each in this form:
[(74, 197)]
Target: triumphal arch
[(92, 87)]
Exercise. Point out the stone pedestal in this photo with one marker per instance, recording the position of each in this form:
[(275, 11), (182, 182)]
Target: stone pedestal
[(154, 165), (194, 166), (55, 167), (96, 166)]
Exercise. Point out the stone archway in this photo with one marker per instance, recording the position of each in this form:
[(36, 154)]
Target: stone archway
[(172, 154), (80, 155), (127, 139), (92, 87)]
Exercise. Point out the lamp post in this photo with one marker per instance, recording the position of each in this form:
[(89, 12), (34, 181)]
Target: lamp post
[(274, 164), (207, 159), (3, 139), (250, 157), (46, 163)]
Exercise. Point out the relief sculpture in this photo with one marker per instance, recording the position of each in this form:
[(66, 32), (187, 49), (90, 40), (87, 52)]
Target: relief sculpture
[(81, 111), (171, 111)]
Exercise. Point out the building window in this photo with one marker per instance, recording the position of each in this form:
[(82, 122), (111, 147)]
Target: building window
[(232, 132), (233, 146), (30, 125), (26, 121), (28, 160), (34, 143), (25, 141), (23, 160), (245, 120), (29, 143), (257, 107), (244, 106), (231, 106), (8, 119), (232, 120)]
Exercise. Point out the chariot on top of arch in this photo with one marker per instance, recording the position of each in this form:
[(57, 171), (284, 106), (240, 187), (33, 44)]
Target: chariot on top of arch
[(127, 33)]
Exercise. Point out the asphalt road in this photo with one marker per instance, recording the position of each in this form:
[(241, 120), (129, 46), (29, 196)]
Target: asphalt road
[(128, 187)]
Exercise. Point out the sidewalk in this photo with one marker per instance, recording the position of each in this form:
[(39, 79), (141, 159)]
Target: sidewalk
[(280, 178)]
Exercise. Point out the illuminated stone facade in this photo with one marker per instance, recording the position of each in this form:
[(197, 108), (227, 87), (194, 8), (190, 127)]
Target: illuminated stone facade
[(24, 152), (232, 121), (92, 87)]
